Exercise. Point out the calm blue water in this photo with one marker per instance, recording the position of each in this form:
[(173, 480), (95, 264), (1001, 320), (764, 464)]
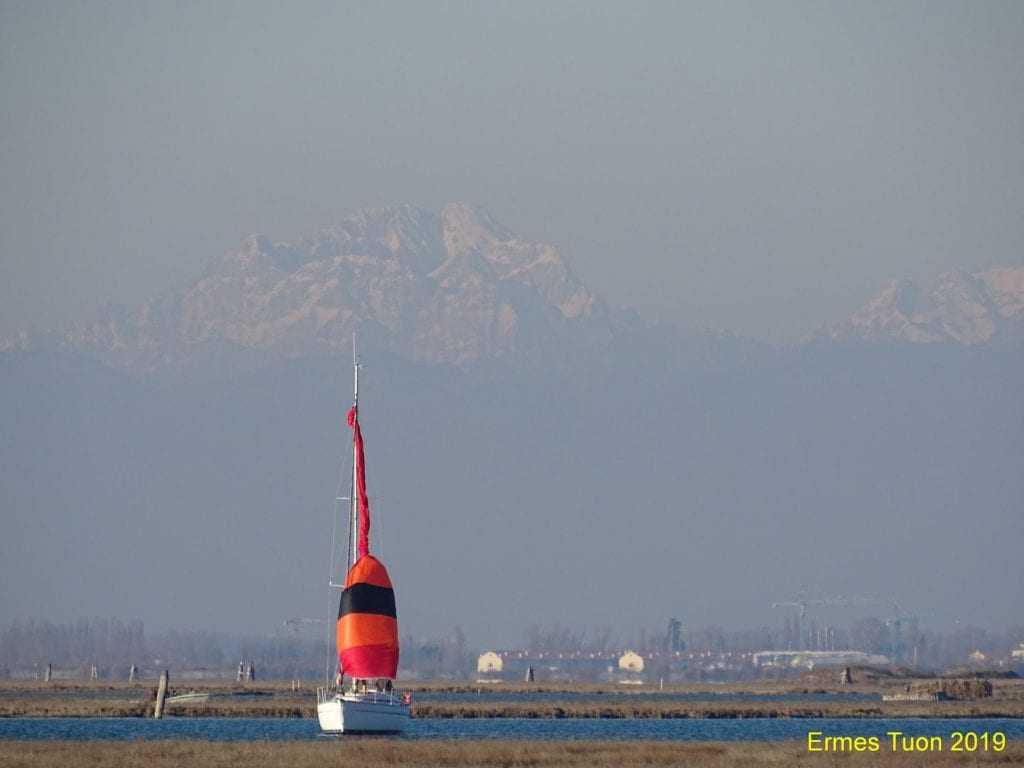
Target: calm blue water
[(485, 696), (490, 696), (249, 729)]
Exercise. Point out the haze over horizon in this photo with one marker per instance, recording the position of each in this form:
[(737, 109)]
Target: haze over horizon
[(529, 443), (532, 446), (732, 165)]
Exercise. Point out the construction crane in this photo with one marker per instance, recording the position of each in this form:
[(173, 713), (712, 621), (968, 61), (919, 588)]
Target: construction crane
[(801, 603), (895, 625)]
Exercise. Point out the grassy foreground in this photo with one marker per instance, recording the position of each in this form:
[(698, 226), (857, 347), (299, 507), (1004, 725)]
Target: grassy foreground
[(360, 753)]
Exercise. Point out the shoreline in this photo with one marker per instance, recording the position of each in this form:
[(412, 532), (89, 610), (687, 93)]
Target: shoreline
[(552, 711), (278, 700)]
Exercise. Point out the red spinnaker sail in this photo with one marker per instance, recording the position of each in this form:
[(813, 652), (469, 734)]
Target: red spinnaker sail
[(367, 619), (364, 501)]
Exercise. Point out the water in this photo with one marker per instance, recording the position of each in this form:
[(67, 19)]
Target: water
[(253, 729), (484, 696), (590, 697)]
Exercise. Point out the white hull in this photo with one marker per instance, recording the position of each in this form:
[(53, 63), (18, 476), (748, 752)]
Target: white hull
[(362, 713)]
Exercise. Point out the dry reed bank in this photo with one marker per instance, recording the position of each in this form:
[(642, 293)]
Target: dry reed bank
[(358, 753), (1002, 688), (641, 708), (69, 699), (289, 707)]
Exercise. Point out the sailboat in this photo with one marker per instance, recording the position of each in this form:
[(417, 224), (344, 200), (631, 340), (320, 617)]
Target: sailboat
[(363, 698)]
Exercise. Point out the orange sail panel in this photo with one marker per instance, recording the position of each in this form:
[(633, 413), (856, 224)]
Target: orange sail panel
[(368, 622)]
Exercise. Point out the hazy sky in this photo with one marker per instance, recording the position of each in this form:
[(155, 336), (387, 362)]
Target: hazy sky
[(756, 166)]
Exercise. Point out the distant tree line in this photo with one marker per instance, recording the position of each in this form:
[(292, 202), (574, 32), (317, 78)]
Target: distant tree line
[(113, 645), (560, 639), (904, 642), (446, 657)]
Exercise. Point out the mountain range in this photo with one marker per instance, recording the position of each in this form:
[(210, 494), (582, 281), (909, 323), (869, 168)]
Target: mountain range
[(958, 307), (535, 455), (453, 287)]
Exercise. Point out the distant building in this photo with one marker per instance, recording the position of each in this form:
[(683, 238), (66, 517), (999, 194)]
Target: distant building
[(631, 661), (674, 637), (813, 659), (977, 657), (1017, 654), (489, 661)]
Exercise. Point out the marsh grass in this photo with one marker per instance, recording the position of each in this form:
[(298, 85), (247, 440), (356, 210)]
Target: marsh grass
[(305, 708), (278, 700), (1002, 688), (465, 686), (362, 752), (641, 708)]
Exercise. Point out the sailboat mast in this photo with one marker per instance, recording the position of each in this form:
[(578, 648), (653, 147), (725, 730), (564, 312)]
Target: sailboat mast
[(353, 499)]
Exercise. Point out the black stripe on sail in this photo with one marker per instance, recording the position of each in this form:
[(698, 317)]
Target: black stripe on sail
[(367, 598)]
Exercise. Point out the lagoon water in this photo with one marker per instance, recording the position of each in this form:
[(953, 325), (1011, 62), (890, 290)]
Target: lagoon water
[(590, 697), (485, 695), (716, 729)]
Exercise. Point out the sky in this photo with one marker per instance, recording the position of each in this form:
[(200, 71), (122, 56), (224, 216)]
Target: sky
[(753, 166), (759, 167)]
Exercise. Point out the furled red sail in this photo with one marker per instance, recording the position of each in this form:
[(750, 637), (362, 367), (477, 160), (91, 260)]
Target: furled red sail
[(367, 620), (364, 500)]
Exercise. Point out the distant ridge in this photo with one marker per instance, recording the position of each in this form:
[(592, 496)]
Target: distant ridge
[(452, 287), (958, 307), (456, 287), (525, 434)]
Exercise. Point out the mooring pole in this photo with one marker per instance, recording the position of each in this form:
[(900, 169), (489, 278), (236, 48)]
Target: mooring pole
[(161, 695)]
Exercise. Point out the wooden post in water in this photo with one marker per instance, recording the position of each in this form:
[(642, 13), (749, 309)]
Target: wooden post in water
[(529, 674), (132, 670), (161, 695), (49, 673)]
